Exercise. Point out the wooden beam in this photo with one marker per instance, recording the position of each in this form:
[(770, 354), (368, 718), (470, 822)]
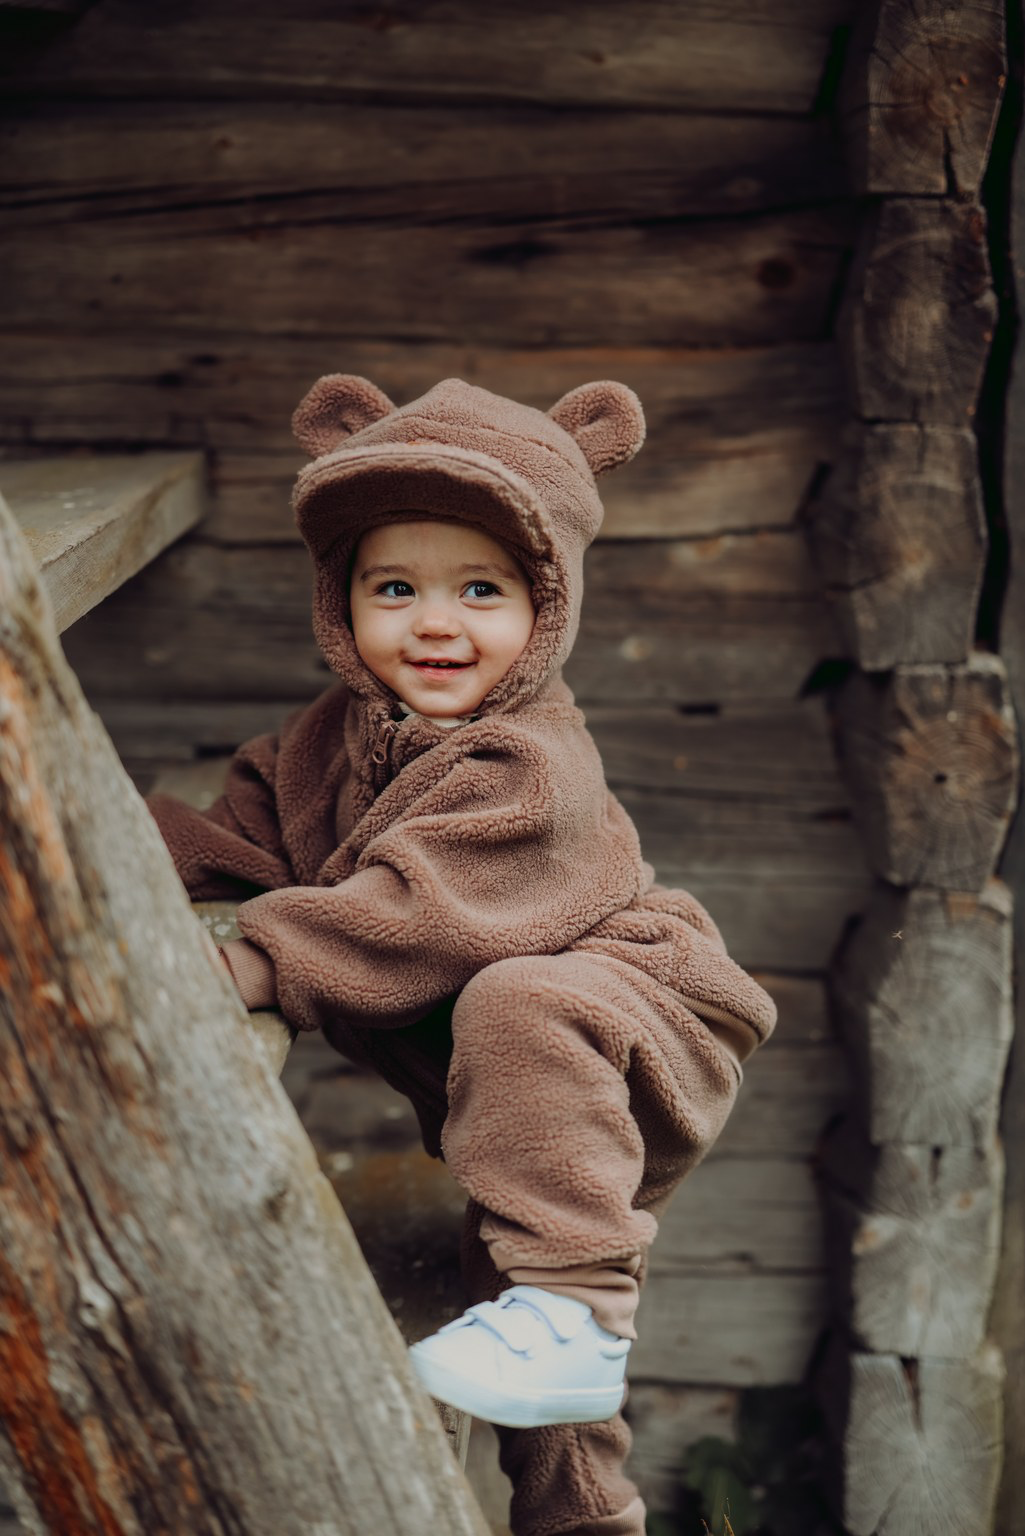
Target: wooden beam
[(727, 618), (914, 1235), (404, 162), (918, 1441), (921, 995), (716, 57), (920, 93), (735, 437), (930, 758), (91, 522), (311, 272), (1008, 1316), (918, 313), (160, 1198), (898, 535)]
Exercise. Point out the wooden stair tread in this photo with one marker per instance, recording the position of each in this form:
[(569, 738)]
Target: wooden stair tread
[(91, 522)]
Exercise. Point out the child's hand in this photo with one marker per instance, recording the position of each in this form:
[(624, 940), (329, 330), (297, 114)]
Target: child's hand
[(252, 972)]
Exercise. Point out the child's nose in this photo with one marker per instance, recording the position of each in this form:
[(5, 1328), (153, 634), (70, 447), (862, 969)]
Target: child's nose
[(437, 619)]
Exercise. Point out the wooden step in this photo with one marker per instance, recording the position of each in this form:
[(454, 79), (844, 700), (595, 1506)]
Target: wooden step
[(93, 521)]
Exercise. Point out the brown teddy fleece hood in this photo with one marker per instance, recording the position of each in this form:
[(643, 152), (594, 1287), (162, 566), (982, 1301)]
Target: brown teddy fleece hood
[(523, 475), (395, 859)]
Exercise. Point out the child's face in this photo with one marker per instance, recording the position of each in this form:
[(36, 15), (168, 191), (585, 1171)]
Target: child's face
[(424, 593)]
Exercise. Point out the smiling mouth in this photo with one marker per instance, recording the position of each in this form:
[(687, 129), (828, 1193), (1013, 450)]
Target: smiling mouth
[(439, 666)]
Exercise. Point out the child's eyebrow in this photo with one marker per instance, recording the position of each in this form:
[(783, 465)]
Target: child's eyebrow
[(381, 570), (489, 566)]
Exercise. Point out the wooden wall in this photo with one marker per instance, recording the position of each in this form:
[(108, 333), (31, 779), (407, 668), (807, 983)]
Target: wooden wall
[(207, 207)]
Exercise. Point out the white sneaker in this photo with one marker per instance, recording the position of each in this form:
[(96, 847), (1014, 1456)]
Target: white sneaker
[(531, 1357)]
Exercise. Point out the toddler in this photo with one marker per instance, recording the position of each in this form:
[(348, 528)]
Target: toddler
[(438, 877)]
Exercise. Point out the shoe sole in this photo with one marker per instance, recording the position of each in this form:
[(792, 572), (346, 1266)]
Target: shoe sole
[(525, 1410)]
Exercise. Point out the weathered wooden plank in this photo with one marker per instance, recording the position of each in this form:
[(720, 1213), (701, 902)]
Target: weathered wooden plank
[(665, 1420), (404, 163), (930, 755), (704, 55), (785, 1099), (922, 996), (91, 523), (734, 437), (914, 1236), (742, 1215), (921, 1447), (296, 271), (918, 312), (743, 752), (898, 535), (734, 1330), (920, 93), (732, 617), (161, 1197)]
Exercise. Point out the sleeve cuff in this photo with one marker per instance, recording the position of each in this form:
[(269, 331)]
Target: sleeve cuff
[(253, 972)]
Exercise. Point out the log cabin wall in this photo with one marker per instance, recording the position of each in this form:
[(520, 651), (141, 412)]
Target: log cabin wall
[(207, 207)]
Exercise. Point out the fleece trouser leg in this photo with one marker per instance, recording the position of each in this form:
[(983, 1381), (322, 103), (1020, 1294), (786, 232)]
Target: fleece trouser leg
[(580, 1092), (567, 1479)]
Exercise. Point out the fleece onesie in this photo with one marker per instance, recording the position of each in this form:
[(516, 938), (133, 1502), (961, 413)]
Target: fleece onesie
[(466, 909)]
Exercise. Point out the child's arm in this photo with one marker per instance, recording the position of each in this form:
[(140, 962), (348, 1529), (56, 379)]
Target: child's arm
[(502, 857), (223, 852)]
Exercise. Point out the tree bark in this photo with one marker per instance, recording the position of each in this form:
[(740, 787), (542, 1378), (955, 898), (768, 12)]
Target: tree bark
[(190, 1341)]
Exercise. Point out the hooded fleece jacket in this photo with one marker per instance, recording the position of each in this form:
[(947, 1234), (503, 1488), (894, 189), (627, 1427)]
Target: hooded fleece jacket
[(467, 909)]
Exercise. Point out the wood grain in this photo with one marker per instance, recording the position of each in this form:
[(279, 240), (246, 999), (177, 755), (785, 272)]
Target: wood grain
[(305, 269), (921, 89), (159, 1197), (731, 1330), (707, 55), (898, 535), (918, 313), (93, 522), (914, 1235), (930, 756), (922, 997), (405, 163), (921, 1451)]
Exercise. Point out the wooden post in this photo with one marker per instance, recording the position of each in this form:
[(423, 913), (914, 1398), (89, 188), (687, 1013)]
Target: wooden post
[(920, 987), (190, 1341), (1007, 1319)]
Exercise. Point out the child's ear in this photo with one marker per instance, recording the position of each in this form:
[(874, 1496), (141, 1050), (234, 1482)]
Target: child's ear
[(338, 405), (606, 419)]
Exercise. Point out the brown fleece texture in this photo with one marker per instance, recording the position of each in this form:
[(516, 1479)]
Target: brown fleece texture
[(471, 913)]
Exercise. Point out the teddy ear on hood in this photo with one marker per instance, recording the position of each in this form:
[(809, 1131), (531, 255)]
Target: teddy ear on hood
[(606, 419), (338, 405)]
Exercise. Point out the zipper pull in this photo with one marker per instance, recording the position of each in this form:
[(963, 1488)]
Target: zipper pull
[(380, 753)]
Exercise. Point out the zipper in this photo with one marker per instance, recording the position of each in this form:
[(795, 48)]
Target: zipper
[(380, 752)]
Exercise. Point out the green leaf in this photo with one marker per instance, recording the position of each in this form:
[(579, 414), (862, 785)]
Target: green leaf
[(721, 1473)]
